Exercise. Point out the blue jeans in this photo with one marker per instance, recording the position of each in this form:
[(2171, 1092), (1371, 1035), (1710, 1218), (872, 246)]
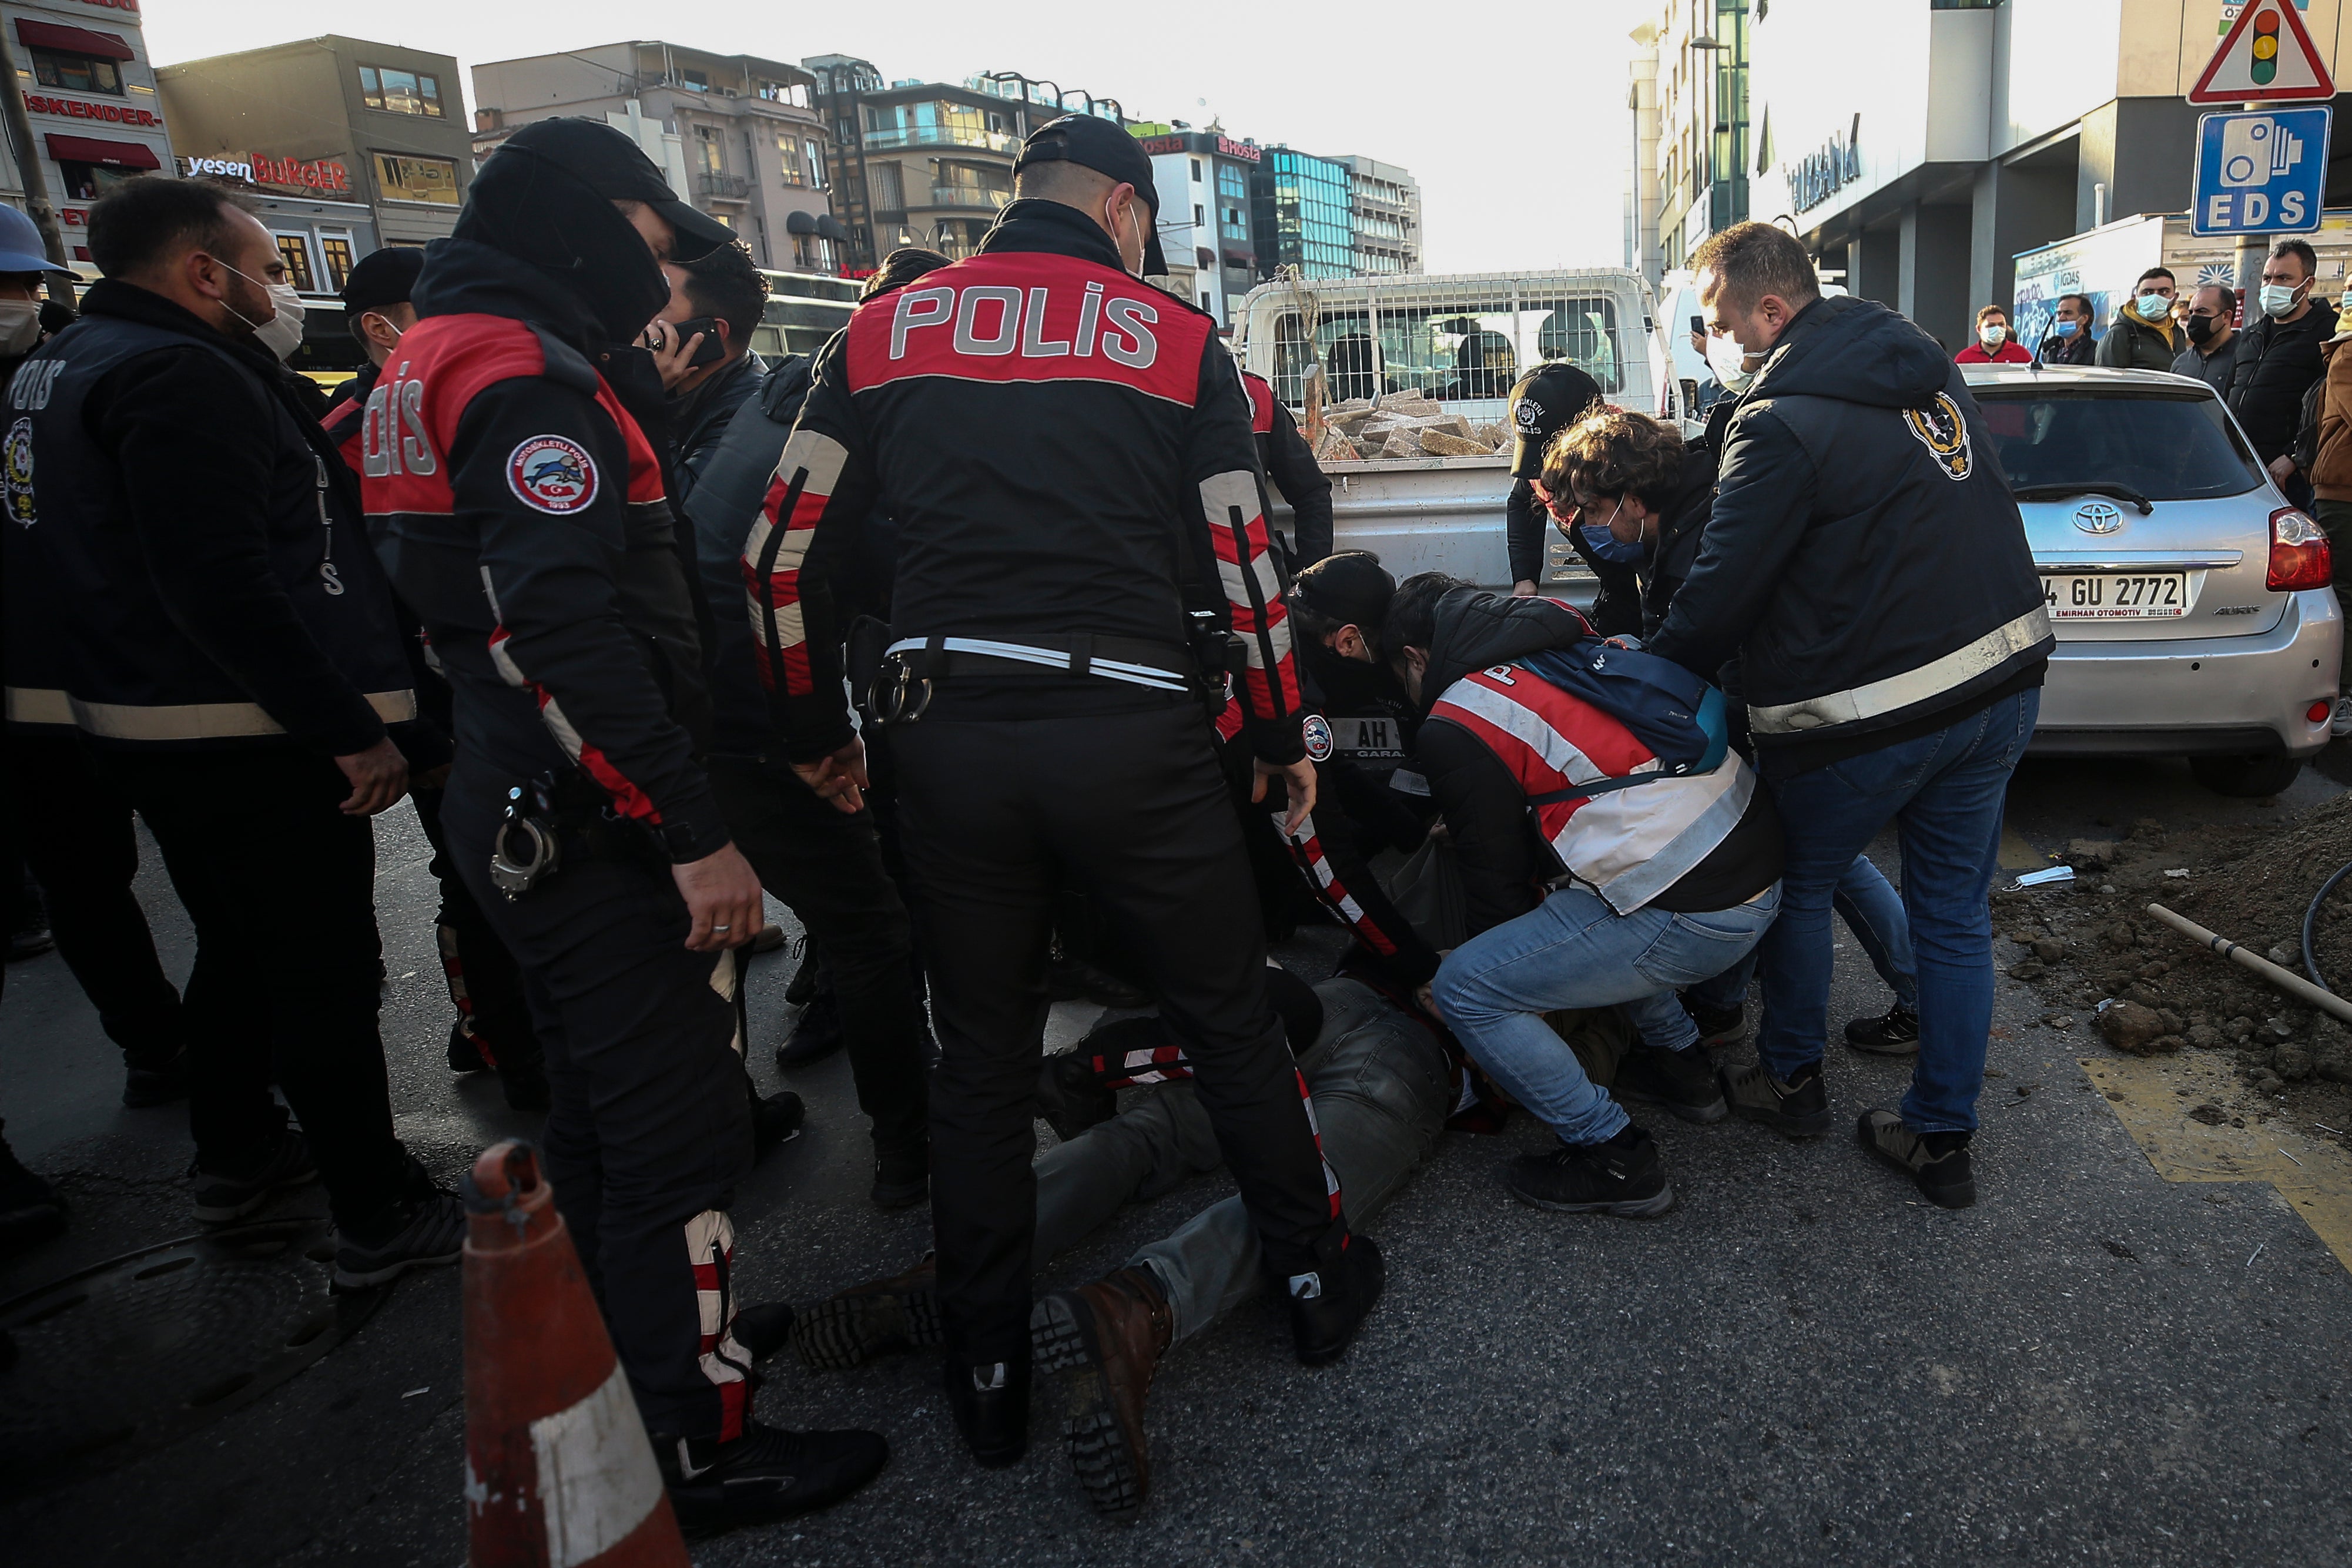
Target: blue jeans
[(1574, 950), (1944, 792), (1872, 910)]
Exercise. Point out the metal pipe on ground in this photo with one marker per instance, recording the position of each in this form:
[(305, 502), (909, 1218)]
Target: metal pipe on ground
[(2286, 980)]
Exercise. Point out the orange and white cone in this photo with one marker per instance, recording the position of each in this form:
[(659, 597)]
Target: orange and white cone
[(559, 1472)]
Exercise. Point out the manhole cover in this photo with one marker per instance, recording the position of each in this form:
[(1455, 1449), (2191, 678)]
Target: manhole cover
[(124, 1358)]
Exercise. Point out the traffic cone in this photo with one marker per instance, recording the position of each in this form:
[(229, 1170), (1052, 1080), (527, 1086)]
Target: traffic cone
[(559, 1473)]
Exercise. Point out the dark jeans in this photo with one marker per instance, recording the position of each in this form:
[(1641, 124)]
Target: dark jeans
[(280, 886), (78, 837), (649, 1132), (1944, 792), (2336, 517), (828, 866), (1130, 807), (485, 982)]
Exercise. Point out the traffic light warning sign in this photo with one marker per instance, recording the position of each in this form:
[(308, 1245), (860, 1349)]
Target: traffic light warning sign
[(2267, 55)]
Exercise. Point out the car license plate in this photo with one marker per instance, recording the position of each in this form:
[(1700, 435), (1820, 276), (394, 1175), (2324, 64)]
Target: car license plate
[(2116, 596)]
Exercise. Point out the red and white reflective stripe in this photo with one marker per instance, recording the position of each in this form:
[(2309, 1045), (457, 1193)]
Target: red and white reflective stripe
[(1330, 1176), (597, 1482), (1155, 1064), (710, 1244), (1307, 850), (627, 797), (776, 549), (1269, 684)]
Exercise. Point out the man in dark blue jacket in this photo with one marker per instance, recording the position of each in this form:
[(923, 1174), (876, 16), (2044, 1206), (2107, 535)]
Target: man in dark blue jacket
[(1866, 562)]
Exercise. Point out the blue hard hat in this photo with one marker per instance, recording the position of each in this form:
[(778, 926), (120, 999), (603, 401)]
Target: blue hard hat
[(20, 245)]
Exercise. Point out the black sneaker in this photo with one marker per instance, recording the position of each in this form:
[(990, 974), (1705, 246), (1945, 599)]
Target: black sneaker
[(990, 1404), (30, 1210), (465, 1056), (426, 1232), (1329, 1306), (1896, 1034), (1799, 1108), (765, 1475), (776, 1120), (902, 1177), (1717, 1026), (1682, 1081), (815, 1036), (1936, 1162), (158, 1082), (1621, 1176), (224, 1196), (1070, 1097)]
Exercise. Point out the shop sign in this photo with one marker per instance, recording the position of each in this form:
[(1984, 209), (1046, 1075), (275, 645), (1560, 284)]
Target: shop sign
[(221, 167), (1229, 148), (129, 6), (318, 174), (1822, 174), (81, 109)]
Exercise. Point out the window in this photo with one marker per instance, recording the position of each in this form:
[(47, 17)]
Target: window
[(79, 73), (337, 250), (2179, 447), (1196, 171), (1199, 215), (801, 162), (400, 92), (294, 249), (889, 191), (812, 156), (88, 182), (403, 178), (712, 157)]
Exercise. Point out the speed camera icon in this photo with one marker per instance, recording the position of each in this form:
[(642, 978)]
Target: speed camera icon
[(2255, 149)]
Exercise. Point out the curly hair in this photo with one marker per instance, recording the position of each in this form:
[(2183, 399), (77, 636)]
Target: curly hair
[(1613, 452)]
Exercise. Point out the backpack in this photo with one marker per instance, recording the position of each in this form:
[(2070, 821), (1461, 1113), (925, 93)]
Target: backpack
[(1680, 717)]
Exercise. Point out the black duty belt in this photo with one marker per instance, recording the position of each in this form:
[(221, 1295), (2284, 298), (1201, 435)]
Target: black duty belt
[(912, 662)]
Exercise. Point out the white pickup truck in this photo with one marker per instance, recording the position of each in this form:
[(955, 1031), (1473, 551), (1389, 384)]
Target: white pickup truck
[(1460, 341)]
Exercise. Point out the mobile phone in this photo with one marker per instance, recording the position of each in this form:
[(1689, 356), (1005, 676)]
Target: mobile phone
[(1698, 325), (714, 345)]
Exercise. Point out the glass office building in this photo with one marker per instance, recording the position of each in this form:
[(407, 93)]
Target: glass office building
[(1303, 218)]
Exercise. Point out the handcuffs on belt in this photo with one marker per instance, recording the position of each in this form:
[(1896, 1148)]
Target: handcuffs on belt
[(524, 849)]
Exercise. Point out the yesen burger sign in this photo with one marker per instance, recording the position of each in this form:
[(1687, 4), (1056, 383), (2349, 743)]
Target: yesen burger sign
[(258, 169)]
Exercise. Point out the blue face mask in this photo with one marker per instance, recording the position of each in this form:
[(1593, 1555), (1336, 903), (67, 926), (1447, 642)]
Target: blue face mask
[(2065, 329), (2152, 306), (1607, 546)]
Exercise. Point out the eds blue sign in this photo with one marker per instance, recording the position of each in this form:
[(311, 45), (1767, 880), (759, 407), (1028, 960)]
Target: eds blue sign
[(2260, 172)]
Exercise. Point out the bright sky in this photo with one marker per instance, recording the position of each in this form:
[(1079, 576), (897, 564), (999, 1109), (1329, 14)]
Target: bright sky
[(1511, 115)]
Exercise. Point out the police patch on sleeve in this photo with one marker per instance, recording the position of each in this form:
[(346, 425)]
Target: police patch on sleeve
[(1316, 730), (553, 474), (1945, 434), (17, 473)]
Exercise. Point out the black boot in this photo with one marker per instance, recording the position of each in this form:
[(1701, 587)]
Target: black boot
[(1621, 1175), (154, 1080), (803, 985), (816, 1035), (1329, 1303), (1071, 1096), (765, 1475), (1682, 1081), (464, 1054), (775, 1119), (1894, 1034), (1799, 1108), (992, 1408), (902, 1173)]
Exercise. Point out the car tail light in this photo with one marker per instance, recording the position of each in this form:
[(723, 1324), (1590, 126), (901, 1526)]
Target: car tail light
[(2299, 554), (2319, 711)]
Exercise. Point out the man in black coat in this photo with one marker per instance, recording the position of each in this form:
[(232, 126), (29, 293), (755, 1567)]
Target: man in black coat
[(2278, 359)]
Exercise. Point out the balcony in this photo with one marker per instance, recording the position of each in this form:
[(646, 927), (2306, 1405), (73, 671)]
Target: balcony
[(942, 136), (968, 199), (725, 187)]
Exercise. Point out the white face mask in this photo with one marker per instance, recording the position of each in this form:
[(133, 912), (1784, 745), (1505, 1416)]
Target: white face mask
[(282, 333), (1994, 334), (1728, 360), (20, 325), (2278, 299)]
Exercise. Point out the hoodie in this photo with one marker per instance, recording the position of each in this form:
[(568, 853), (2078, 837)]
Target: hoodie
[(1865, 559)]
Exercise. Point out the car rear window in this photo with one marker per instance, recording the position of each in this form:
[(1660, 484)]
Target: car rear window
[(2163, 444)]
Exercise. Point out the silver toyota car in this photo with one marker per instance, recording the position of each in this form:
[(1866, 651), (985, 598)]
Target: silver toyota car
[(2189, 597)]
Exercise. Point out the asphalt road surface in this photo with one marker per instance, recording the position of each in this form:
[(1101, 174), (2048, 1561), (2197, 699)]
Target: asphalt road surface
[(1803, 1363)]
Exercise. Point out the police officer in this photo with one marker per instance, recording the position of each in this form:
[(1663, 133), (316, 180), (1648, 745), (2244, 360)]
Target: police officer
[(493, 1029), (1064, 450), (187, 584), (1289, 464), (521, 508), (1544, 402)]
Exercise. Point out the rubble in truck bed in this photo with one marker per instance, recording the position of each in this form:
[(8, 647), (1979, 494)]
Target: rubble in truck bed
[(2109, 969), (1405, 424)]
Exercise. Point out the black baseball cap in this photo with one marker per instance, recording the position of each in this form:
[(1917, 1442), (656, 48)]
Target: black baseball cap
[(1351, 587), (1544, 402), (385, 277), (1105, 147), (609, 163)]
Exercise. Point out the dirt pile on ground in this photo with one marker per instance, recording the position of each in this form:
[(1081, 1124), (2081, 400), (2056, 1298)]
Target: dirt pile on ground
[(2105, 966)]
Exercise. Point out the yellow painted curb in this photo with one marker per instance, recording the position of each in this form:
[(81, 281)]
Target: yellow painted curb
[(2313, 1176)]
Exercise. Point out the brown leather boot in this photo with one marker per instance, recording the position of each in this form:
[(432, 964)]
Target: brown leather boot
[(1106, 1339), (881, 1317)]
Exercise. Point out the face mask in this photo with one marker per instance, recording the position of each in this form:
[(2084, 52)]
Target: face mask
[(2065, 329), (1607, 546), (396, 334), (2278, 299), (20, 325), (2151, 307), (1728, 360), (2200, 328), (1994, 335), (1117, 239), (282, 333)]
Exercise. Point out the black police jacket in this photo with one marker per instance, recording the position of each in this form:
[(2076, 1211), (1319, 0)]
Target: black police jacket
[(1065, 451), (188, 565), (1290, 466), (1864, 557), (2277, 363), (700, 421)]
